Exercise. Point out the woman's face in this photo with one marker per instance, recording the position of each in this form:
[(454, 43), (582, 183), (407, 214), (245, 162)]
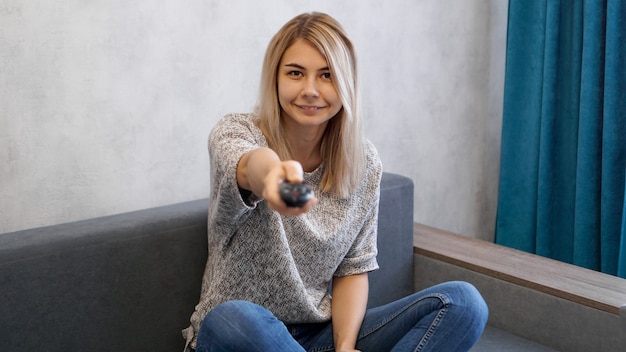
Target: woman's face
[(306, 91)]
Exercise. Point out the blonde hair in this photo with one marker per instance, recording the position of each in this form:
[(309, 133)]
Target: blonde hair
[(342, 144)]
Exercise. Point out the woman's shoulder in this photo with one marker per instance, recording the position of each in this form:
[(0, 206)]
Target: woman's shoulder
[(236, 123), (234, 119), (372, 169), (372, 159)]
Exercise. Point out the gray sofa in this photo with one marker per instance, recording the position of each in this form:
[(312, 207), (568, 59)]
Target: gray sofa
[(129, 282)]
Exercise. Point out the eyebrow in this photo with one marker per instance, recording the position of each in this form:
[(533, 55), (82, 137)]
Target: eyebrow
[(303, 68)]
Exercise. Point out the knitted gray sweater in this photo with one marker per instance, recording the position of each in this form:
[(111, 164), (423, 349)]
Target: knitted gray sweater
[(284, 263)]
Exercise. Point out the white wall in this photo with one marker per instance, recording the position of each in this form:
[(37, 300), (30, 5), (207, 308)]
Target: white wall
[(105, 105)]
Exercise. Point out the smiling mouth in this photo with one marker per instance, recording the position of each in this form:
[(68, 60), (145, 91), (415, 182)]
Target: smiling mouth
[(310, 108)]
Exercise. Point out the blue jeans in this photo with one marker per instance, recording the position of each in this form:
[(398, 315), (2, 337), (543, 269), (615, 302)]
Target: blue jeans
[(446, 317)]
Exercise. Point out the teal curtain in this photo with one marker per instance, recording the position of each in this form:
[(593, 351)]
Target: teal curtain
[(563, 159)]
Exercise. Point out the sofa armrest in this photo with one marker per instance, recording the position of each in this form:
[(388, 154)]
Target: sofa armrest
[(394, 279), (115, 283)]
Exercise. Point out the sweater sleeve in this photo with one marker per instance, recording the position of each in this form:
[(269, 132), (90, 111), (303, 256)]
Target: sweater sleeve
[(232, 137), (361, 257)]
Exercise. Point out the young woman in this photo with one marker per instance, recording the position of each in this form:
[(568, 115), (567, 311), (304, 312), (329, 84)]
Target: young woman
[(270, 266)]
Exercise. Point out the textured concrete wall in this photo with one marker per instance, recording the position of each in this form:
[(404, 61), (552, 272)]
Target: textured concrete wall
[(105, 105)]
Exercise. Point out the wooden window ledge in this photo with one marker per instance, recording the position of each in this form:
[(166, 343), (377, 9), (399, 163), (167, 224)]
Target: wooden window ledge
[(570, 282)]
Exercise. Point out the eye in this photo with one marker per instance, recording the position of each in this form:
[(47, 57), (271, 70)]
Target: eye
[(295, 74), (327, 76)]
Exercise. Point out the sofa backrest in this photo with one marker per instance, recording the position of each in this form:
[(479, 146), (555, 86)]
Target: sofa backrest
[(129, 282)]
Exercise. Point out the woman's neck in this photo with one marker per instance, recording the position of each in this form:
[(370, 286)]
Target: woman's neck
[(305, 144)]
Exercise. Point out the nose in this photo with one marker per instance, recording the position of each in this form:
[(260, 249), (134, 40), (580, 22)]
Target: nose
[(310, 89)]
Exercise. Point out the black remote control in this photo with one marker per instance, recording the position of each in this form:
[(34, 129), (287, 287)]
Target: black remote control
[(295, 195)]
